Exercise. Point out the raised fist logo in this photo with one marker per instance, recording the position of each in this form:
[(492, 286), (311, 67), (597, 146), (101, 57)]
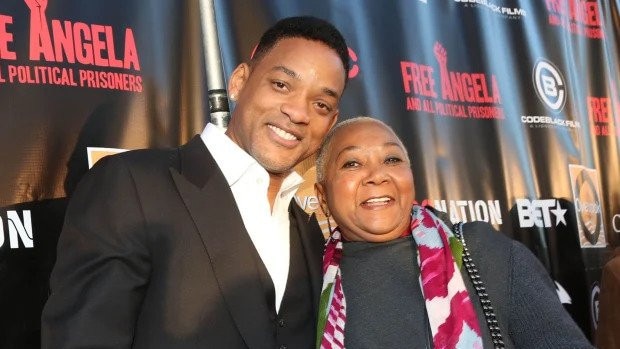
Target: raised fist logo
[(42, 43), (440, 53), (41, 5)]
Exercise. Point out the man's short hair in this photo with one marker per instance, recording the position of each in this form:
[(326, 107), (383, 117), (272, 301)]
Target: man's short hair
[(305, 27)]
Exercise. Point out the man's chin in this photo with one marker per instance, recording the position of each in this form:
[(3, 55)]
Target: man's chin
[(278, 168)]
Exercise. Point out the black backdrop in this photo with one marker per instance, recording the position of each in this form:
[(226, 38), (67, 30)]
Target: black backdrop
[(510, 111)]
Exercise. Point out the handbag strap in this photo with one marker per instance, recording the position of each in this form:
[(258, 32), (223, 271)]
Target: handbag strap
[(483, 296)]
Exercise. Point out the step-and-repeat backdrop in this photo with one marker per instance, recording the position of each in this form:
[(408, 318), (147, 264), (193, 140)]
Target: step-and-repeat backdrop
[(510, 111)]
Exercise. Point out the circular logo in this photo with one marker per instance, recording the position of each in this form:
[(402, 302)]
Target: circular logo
[(588, 207), (594, 299), (615, 223), (549, 85)]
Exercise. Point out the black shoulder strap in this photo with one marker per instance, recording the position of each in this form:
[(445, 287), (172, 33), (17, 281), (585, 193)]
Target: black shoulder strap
[(483, 296)]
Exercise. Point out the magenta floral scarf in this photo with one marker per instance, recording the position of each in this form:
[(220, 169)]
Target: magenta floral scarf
[(453, 321)]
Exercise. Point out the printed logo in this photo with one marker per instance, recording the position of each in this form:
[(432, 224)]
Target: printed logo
[(309, 203), (545, 213), (57, 47), (588, 208), (549, 84), (550, 88), (600, 115), (544, 121), (595, 293), (578, 17), (18, 229), (355, 69), (506, 12), (468, 210), (462, 94), (615, 223), (307, 200)]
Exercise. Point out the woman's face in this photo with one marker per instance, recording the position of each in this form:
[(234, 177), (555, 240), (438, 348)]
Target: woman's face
[(368, 186)]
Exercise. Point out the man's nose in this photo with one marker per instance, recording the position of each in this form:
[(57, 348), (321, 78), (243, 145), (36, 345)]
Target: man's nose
[(296, 107)]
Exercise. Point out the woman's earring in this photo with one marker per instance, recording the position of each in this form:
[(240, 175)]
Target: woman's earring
[(233, 97), (329, 226), (327, 217)]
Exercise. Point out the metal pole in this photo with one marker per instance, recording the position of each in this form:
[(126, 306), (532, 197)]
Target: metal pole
[(218, 98)]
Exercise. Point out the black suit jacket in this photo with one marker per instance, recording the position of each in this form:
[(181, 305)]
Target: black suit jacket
[(154, 254)]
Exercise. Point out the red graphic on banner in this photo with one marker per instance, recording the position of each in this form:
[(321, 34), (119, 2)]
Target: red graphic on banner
[(355, 69), (600, 115), (73, 43), (462, 94), (578, 17), (6, 38)]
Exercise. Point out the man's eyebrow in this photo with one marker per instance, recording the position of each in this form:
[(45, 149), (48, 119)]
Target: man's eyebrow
[(330, 92), (286, 71), (326, 90)]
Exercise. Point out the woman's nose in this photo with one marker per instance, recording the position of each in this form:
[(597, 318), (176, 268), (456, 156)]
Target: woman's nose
[(377, 175)]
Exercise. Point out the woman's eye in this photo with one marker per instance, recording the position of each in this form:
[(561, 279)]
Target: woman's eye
[(393, 160), (350, 164)]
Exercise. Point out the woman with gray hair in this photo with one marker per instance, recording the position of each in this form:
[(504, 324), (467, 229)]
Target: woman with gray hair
[(397, 276)]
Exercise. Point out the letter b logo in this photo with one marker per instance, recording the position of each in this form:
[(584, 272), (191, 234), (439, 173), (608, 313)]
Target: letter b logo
[(549, 85)]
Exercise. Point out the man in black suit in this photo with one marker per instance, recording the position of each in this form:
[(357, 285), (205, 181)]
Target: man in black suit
[(202, 246)]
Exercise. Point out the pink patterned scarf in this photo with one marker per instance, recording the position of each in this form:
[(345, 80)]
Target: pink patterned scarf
[(451, 314)]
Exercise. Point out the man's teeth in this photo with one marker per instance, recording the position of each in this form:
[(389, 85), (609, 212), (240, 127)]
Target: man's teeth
[(373, 200), (280, 132)]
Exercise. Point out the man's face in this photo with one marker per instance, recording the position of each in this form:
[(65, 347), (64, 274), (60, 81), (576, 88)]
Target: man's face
[(286, 102)]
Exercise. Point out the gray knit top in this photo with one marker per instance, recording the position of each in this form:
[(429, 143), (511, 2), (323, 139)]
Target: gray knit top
[(385, 307)]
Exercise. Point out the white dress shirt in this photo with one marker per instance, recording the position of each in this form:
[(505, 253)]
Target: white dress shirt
[(249, 182)]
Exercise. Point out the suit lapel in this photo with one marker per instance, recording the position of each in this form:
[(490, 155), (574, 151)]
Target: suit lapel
[(210, 202), (312, 242)]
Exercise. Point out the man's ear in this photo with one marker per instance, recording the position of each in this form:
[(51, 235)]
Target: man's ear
[(237, 81), (319, 190)]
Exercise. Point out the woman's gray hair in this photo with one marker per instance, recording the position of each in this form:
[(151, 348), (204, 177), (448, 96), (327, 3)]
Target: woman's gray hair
[(323, 151)]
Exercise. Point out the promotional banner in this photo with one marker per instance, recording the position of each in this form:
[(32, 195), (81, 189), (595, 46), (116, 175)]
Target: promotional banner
[(74, 74), (509, 110)]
